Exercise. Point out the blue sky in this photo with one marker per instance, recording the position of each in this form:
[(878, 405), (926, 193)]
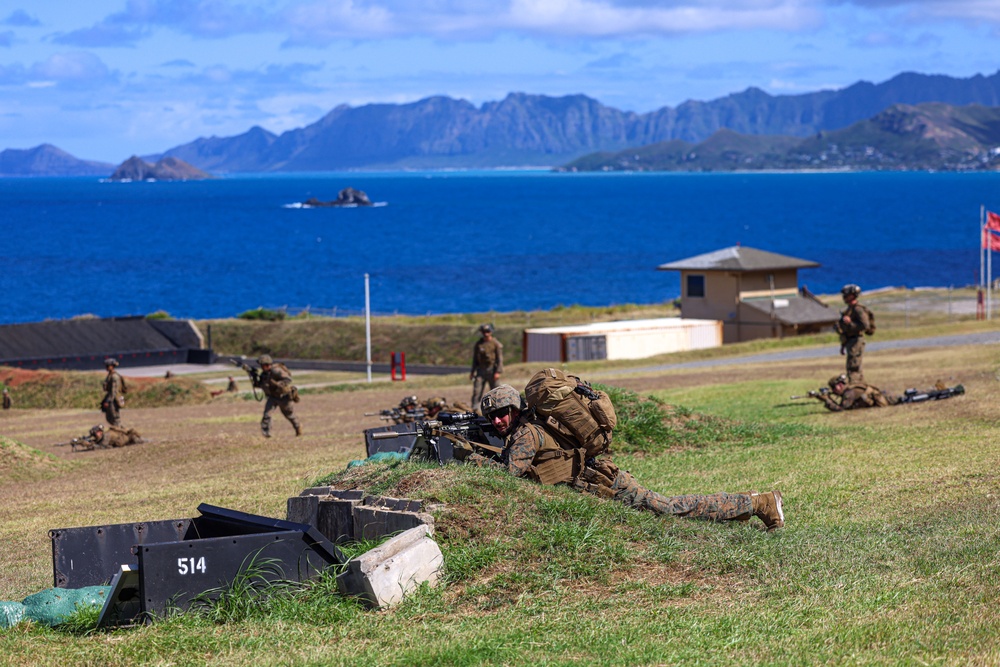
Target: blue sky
[(106, 79)]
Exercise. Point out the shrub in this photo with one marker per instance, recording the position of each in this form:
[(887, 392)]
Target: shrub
[(265, 314)]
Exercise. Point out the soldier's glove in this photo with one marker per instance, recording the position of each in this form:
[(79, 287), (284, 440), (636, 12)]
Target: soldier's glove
[(842, 351), (461, 449)]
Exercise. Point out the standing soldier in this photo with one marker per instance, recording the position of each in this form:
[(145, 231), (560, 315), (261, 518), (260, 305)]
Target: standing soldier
[(232, 386), (7, 402), (276, 382), (114, 393), (854, 323), (487, 364)]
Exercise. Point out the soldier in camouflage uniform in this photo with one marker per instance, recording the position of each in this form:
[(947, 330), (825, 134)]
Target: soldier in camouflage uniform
[(849, 395), (854, 395), (114, 393), (487, 363), (432, 406), (115, 436), (531, 451), (7, 401), (853, 322), (276, 382)]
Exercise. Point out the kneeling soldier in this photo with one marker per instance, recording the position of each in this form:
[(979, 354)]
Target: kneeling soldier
[(531, 451)]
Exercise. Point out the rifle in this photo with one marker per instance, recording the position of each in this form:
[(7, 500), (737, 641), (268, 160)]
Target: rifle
[(434, 439), (83, 443), (254, 374), (916, 396), (812, 394), (399, 415)]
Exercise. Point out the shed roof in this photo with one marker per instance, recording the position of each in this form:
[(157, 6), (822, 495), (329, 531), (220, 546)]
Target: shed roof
[(89, 337), (738, 258), (621, 326), (795, 310)]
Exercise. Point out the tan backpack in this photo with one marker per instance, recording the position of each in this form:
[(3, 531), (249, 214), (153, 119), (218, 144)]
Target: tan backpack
[(580, 417)]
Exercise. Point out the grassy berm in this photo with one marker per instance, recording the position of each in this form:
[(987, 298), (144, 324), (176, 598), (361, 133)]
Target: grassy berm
[(71, 389), (889, 555)]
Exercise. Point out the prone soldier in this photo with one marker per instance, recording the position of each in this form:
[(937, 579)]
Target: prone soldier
[(531, 450), (114, 393), (855, 321), (847, 395), (432, 406), (487, 363), (97, 437)]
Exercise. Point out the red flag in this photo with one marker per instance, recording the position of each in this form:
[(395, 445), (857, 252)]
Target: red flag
[(991, 241), (992, 221)]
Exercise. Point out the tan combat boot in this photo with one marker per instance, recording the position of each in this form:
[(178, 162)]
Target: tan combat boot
[(298, 430), (767, 506)]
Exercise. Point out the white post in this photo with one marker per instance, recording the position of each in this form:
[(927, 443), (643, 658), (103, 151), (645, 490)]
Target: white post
[(368, 327)]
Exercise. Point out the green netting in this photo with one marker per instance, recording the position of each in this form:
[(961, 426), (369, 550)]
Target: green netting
[(11, 613), (380, 457), (54, 605)]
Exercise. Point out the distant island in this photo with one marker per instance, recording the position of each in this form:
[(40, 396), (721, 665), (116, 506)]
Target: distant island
[(47, 160), (165, 169), (346, 197), (925, 137)]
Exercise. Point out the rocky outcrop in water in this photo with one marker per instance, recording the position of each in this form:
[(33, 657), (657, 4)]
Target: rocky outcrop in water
[(346, 197), (167, 169)]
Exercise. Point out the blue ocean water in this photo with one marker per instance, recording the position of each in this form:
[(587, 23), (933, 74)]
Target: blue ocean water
[(463, 241)]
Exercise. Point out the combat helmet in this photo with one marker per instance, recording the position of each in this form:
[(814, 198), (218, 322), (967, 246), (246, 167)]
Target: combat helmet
[(409, 401), (110, 361), (486, 328), (265, 359), (850, 290), (837, 379), (499, 398), (97, 429)]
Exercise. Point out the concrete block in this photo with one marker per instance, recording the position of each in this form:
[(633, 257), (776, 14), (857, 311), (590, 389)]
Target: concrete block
[(371, 523), (382, 576), (333, 518), (336, 493), (398, 504), (303, 509)]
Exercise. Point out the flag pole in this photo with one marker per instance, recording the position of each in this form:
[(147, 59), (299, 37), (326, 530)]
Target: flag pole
[(981, 292)]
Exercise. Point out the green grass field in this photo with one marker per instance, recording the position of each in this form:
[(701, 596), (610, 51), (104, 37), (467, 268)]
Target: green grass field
[(890, 554)]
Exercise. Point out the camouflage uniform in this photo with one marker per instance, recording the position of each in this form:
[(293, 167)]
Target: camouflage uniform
[(528, 445), (487, 365), (115, 436), (432, 406), (852, 338), (7, 401), (276, 382), (114, 389), (858, 395)]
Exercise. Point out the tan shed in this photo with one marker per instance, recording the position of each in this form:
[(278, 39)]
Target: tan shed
[(628, 339), (754, 293)]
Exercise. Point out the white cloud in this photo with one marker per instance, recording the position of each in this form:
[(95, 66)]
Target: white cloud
[(78, 67)]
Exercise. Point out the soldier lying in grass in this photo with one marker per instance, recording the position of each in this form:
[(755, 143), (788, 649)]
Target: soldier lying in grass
[(531, 450)]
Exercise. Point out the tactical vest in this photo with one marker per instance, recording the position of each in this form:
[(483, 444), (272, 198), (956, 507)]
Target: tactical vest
[(578, 416)]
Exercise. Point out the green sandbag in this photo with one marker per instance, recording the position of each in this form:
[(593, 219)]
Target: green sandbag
[(11, 613), (54, 605), (380, 457)]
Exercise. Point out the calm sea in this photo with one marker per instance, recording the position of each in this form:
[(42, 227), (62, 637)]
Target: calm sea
[(463, 241)]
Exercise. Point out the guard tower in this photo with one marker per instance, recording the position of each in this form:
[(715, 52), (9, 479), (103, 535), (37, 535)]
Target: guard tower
[(754, 293)]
